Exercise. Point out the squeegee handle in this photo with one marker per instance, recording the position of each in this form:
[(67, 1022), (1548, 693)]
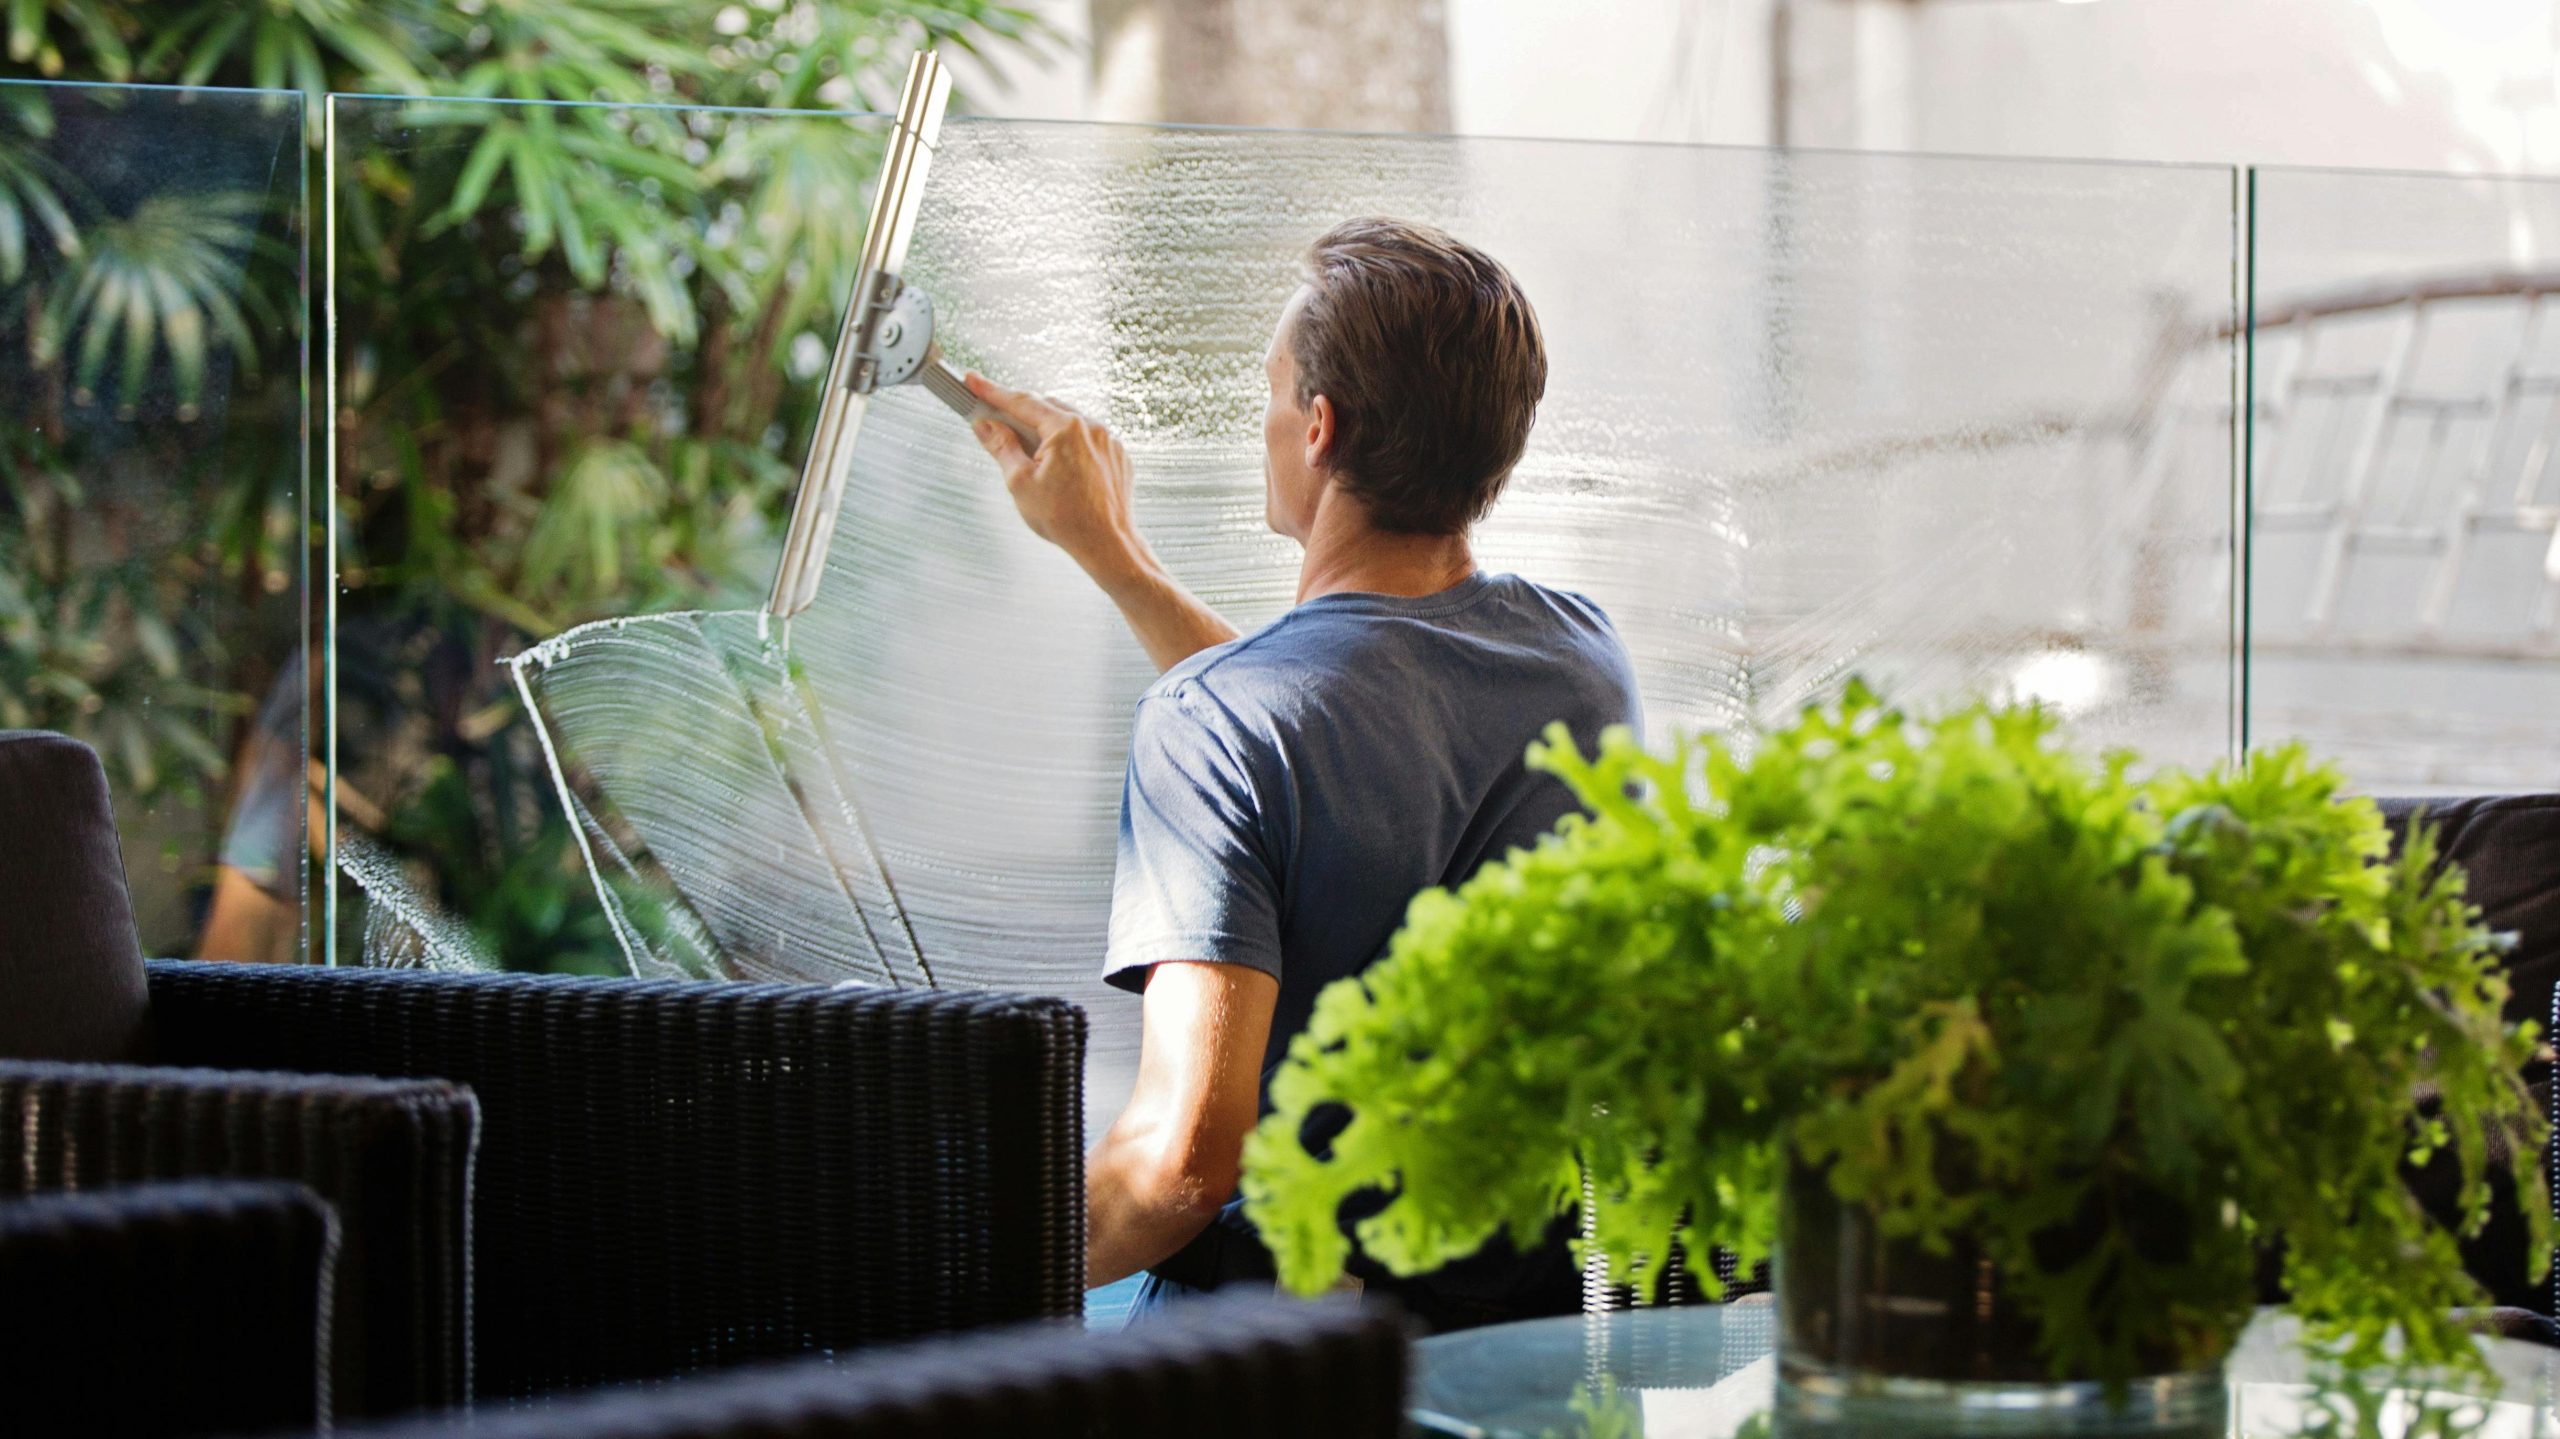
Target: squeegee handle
[(947, 386)]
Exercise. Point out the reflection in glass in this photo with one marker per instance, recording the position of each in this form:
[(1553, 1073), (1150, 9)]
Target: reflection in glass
[(574, 362), (151, 507), (2405, 499), (1707, 1371)]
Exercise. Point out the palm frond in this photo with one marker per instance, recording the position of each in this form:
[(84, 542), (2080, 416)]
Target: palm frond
[(99, 26), (30, 189), (160, 280), (596, 512)]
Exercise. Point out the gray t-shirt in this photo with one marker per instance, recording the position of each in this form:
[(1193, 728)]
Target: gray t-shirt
[(1291, 791)]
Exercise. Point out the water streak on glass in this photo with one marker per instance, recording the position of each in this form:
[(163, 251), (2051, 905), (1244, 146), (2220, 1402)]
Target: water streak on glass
[(1963, 427), (403, 929)]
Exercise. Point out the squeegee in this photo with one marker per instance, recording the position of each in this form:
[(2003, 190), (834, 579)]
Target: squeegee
[(887, 339)]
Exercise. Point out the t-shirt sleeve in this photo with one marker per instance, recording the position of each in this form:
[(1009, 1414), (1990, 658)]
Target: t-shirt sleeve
[(1194, 879)]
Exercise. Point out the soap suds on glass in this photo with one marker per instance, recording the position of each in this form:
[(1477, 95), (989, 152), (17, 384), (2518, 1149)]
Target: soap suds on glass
[(1920, 419)]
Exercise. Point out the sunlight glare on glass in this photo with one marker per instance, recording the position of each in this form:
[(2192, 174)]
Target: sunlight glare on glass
[(2071, 681)]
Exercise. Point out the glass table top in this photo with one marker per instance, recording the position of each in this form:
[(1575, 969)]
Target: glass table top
[(1706, 1372)]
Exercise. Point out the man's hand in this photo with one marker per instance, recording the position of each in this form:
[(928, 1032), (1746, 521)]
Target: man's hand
[(1074, 493)]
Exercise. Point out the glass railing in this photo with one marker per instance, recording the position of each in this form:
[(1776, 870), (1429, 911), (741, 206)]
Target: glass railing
[(1958, 426), (2404, 565), (152, 525), (576, 353)]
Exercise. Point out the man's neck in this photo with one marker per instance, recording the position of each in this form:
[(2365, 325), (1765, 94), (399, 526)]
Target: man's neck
[(1346, 556)]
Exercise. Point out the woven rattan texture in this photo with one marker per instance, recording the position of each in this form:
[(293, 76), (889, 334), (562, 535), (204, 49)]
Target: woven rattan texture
[(391, 1157), (1670, 1284), (165, 1309), (1237, 1369), (677, 1175)]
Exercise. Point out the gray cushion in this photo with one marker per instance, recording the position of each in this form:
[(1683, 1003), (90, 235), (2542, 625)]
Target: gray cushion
[(71, 983)]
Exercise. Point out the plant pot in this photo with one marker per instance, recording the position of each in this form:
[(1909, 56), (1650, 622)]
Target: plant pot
[(1880, 1336)]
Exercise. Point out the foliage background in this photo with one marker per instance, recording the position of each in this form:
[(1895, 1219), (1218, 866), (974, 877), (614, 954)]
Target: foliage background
[(577, 348), (150, 529)]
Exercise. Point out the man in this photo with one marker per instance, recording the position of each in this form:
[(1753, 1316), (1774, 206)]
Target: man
[(1290, 791)]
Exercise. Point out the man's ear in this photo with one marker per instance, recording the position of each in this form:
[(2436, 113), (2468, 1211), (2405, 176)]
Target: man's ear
[(1320, 432)]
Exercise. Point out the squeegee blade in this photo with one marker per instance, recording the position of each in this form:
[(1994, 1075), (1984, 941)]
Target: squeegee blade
[(814, 507), (894, 205)]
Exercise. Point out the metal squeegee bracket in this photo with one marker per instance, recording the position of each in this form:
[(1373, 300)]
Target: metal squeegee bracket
[(874, 314)]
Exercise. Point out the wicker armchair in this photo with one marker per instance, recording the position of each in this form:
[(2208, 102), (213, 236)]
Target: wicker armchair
[(2509, 848), (545, 1182), (1253, 1368), (669, 1176), (393, 1158), (676, 1175), (165, 1309)]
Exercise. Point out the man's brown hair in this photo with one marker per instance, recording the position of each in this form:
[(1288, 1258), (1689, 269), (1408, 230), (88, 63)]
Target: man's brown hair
[(1434, 364)]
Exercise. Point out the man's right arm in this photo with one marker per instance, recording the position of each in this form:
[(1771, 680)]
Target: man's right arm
[(1074, 492), (1164, 1168)]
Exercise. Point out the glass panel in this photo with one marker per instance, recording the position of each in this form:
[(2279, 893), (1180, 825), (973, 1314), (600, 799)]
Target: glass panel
[(575, 352), (2405, 397), (152, 533), (1959, 426)]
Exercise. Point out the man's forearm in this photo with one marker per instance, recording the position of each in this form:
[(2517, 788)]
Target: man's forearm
[(1132, 1222), (1173, 623)]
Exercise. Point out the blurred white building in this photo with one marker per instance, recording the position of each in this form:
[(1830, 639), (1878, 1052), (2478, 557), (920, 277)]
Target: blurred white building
[(2405, 410), (2462, 85)]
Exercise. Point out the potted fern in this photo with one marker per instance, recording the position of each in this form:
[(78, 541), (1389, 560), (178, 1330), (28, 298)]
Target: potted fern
[(2021, 1062)]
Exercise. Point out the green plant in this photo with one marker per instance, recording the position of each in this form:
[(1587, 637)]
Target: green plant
[(1605, 1412), (31, 188), (99, 649), (567, 338), (1987, 985), (166, 278)]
